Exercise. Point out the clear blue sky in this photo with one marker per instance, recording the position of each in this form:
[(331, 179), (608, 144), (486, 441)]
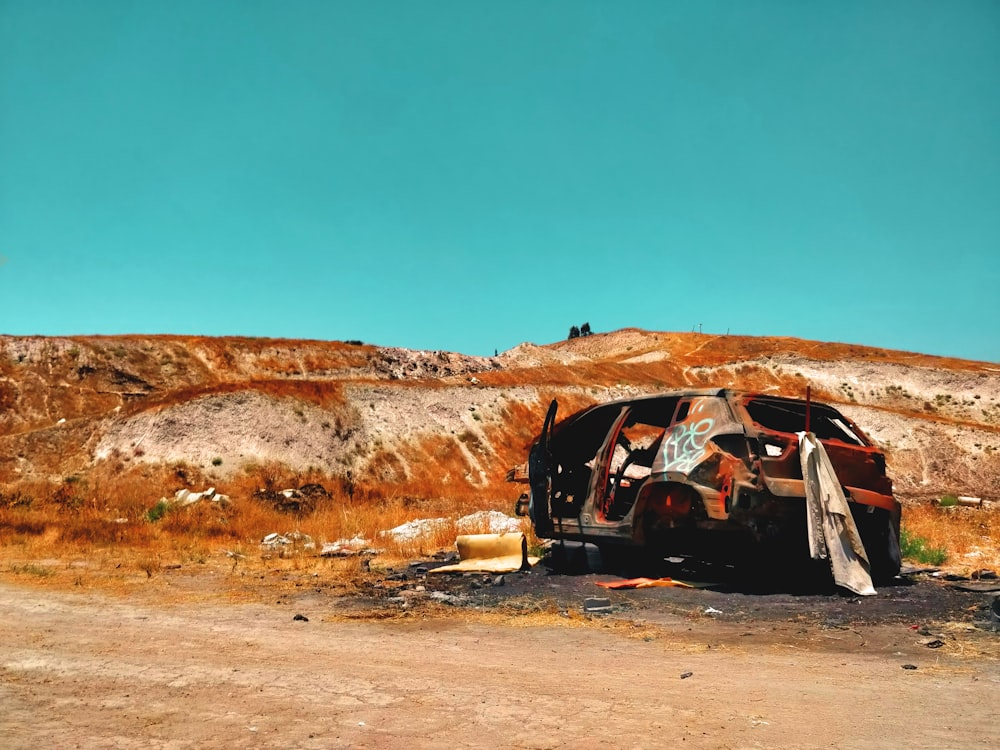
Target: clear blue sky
[(469, 175)]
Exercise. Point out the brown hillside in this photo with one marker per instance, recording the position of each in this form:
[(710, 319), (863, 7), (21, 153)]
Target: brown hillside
[(439, 424)]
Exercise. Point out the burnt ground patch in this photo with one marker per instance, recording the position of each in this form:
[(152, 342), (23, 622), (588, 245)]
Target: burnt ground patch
[(917, 600)]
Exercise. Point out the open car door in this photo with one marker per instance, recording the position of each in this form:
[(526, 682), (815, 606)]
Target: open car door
[(540, 475)]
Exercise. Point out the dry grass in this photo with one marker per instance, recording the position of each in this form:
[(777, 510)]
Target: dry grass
[(100, 531), (105, 515), (969, 536)]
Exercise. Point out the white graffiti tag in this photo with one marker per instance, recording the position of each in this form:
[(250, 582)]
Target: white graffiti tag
[(685, 445)]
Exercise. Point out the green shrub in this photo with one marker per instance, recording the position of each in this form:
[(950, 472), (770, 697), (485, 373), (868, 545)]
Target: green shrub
[(158, 511), (917, 548), (947, 501)]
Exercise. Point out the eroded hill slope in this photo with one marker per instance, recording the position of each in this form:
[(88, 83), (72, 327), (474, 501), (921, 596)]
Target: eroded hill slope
[(443, 421)]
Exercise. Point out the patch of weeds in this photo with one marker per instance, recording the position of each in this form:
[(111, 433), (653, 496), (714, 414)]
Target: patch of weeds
[(32, 570), (948, 501), (848, 390), (17, 500), (198, 556), (158, 511), (917, 548), (149, 565), (66, 494)]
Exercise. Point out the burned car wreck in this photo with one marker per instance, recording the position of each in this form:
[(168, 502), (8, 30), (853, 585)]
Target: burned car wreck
[(661, 473)]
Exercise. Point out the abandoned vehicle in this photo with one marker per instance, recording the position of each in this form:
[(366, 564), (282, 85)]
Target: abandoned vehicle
[(655, 474)]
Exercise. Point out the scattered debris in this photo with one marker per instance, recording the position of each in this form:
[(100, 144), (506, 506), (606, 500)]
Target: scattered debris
[(912, 570), (909, 666), (488, 521), (295, 540), (301, 618), (712, 611), (987, 586), (490, 553), (645, 583), (357, 545), (301, 500), (933, 643), (441, 596), (971, 502), (412, 530), (596, 604), (185, 497), (685, 675)]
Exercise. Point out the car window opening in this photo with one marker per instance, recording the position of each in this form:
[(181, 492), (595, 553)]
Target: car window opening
[(631, 464), (790, 417)]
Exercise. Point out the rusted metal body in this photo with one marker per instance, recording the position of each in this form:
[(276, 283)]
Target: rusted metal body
[(654, 471)]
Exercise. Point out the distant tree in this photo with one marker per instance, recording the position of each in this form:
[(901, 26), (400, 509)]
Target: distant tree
[(574, 332), (585, 329)]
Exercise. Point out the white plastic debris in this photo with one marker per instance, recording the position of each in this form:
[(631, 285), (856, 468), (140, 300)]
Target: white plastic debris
[(712, 611), (357, 545), (489, 522), (415, 529), (186, 497), (484, 521), (297, 538)]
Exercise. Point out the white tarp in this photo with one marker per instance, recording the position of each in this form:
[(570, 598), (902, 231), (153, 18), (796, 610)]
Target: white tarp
[(832, 533)]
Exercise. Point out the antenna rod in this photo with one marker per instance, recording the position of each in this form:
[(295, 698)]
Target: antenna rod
[(808, 404)]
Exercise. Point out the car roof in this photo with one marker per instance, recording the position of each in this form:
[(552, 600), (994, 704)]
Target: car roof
[(678, 393)]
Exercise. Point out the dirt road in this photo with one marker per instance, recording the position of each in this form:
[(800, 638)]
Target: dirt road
[(91, 670)]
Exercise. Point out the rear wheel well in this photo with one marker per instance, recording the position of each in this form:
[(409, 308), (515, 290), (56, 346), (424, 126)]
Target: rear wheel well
[(663, 506)]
